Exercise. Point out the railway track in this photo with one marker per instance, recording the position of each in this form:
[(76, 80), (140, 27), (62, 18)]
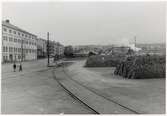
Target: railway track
[(74, 96), (87, 105)]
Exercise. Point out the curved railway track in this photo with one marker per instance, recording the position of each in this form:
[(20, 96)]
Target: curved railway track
[(87, 105), (74, 96)]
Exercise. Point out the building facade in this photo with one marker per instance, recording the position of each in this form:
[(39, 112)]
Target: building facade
[(41, 48), (17, 44), (58, 49)]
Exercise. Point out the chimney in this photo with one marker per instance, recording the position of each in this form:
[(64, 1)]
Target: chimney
[(7, 21)]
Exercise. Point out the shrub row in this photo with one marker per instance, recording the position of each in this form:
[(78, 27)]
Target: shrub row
[(146, 66)]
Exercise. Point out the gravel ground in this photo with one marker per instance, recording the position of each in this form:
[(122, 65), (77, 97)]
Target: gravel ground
[(142, 95), (34, 91)]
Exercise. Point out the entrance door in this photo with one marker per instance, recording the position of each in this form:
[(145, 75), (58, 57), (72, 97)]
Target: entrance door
[(11, 57)]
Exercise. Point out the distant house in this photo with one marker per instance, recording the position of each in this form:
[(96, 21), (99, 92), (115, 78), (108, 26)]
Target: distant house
[(41, 48)]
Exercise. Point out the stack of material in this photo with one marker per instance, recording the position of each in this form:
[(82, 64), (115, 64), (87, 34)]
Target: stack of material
[(103, 61), (146, 66)]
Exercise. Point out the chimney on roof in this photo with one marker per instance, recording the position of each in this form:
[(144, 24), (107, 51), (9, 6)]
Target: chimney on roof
[(7, 21)]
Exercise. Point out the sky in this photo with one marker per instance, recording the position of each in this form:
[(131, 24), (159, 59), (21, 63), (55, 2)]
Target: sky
[(82, 23)]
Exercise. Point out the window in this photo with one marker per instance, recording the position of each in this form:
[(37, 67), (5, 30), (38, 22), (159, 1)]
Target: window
[(6, 49), (11, 49), (10, 39), (4, 29), (4, 58), (25, 35), (14, 32), (10, 31), (3, 48), (22, 34), (4, 37), (18, 33)]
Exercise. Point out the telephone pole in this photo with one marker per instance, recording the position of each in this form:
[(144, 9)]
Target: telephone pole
[(48, 52)]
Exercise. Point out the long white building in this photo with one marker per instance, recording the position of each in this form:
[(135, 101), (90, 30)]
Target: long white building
[(17, 44)]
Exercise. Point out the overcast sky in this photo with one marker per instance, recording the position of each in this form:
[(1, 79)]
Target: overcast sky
[(90, 22)]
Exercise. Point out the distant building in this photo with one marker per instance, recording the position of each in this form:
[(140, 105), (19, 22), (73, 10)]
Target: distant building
[(51, 48), (17, 44), (58, 49), (85, 49), (120, 50), (153, 48), (41, 48)]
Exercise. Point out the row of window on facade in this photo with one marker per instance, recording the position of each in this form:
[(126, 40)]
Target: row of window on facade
[(13, 58), (13, 49), (17, 40), (20, 34)]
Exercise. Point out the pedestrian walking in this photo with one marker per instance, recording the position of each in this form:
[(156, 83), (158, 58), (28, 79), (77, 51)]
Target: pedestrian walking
[(14, 67), (20, 67)]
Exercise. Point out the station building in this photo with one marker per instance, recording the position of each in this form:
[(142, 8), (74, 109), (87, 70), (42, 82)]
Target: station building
[(17, 44)]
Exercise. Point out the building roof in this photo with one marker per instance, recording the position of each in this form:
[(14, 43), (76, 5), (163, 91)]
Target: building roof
[(8, 24)]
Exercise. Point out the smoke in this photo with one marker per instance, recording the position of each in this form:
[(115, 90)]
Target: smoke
[(132, 46), (127, 43)]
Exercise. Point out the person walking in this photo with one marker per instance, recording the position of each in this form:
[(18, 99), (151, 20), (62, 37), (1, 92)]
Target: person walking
[(14, 67), (20, 67)]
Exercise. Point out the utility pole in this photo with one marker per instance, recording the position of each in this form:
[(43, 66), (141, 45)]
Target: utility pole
[(48, 52)]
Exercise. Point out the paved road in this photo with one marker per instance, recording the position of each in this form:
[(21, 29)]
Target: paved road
[(142, 95), (34, 91)]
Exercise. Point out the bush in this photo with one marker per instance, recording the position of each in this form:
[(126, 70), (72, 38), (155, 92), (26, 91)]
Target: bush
[(145, 66)]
